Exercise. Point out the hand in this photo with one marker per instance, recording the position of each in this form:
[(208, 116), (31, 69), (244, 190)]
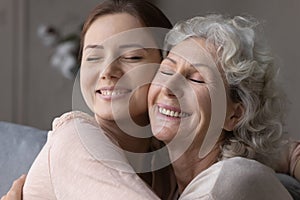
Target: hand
[(15, 192)]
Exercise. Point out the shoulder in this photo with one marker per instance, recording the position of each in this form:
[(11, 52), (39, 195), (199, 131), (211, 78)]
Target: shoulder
[(245, 167), (77, 135), (248, 179), (69, 124), (237, 178), (67, 130), (243, 172), (234, 170), (72, 116)]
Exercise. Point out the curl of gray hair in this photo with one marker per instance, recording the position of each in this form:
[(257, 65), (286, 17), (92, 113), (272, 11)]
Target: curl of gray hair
[(251, 77)]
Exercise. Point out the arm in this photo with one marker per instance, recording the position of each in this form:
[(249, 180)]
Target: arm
[(15, 192), (69, 167), (289, 159), (77, 171), (296, 161), (293, 158), (297, 171)]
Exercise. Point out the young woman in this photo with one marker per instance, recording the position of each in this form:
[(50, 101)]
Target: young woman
[(83, 156)]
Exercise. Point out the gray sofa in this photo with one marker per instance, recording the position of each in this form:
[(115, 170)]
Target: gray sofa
[(19, 145)]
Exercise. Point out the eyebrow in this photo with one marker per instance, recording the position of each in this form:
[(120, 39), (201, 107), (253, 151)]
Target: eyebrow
[(126, 46), (200, 65), (95, 46), (170, 59), (195, 64)]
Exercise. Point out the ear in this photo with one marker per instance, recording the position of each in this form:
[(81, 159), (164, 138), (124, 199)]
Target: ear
[(235, 112)]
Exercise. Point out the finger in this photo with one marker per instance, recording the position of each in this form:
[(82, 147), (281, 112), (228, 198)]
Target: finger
[(13, 195), (15, 191), (18, 184)]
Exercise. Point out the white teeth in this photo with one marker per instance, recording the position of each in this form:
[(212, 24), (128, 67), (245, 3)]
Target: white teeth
[(112, 92), (172, 113)]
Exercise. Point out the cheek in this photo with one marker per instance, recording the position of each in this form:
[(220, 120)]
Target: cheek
[(203, 105), (151, 94), (140, 96), (89, 76), (84, 81), (138, 101), (87, 85)]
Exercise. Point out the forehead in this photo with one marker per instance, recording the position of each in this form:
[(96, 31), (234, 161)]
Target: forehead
[(106, 26), (118, 29), (194, 51)]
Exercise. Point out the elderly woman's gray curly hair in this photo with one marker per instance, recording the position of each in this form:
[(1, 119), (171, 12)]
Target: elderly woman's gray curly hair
[(251, 78)]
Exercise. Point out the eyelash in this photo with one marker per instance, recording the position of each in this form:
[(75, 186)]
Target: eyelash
[(133, 58), (196, 81), (166, 73), (193, 80), (93, 59)]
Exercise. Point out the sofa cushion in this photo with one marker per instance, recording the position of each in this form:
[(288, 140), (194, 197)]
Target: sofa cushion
[(291, 184), (19, 145)]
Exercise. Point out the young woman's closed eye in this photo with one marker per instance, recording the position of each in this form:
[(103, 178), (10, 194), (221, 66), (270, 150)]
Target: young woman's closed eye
[(94, 59), (132, 57)]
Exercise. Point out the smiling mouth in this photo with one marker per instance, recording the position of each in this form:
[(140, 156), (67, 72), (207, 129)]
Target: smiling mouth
[(172, 113), (112, 93)]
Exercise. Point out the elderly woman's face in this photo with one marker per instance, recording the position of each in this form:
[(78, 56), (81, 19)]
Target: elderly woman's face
[(111, 51), (187, 94)]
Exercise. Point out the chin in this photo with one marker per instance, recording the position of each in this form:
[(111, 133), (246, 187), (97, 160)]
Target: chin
[(106, 116), (163, 134)]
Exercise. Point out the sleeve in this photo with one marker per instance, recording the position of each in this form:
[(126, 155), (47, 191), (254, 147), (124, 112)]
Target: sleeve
[(249, 180), (75, 173), (236, 179), (38, 184), (289, 158), (294, 159)]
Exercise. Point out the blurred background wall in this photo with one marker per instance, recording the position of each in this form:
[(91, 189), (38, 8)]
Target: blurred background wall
[(33, 93)]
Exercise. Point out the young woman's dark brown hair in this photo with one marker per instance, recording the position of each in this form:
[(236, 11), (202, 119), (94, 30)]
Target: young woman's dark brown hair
[(148, 14)]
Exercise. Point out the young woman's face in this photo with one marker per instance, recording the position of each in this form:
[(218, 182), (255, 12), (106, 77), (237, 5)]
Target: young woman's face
[(110, 73), (180, 97)]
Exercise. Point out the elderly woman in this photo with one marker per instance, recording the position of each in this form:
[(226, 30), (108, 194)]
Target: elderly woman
[(215, 103)]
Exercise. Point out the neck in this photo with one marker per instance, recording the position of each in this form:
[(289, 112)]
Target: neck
[(189, 165), (126, 139)]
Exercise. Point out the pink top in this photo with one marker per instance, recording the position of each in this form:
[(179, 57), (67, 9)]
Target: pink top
[(73, 166), (79, 161), (236, 178), (294, 156), (290, 156)]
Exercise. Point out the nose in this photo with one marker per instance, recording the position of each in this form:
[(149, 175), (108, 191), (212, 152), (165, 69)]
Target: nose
[(112, 70), (173, 87)]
